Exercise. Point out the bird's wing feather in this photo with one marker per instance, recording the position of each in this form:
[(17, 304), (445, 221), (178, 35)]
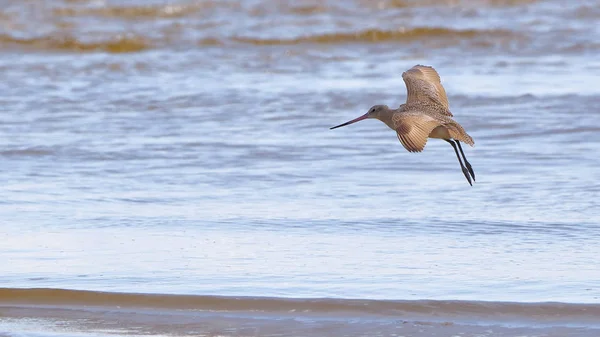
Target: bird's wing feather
[(424, 85), (413, 130)]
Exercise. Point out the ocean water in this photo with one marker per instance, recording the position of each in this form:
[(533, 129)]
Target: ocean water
[(183, 148)]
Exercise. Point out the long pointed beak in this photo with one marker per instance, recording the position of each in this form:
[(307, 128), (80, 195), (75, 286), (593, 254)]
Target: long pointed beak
[(365, 116)]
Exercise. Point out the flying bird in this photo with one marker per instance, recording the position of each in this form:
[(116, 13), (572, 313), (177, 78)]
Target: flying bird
[(425, 114)]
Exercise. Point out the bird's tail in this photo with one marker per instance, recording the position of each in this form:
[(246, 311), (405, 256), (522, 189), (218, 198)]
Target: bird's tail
[(458, 133), (467, 139)]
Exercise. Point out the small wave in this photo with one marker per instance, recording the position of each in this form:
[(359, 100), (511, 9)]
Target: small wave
[(33, 152), (502, 3), (431, 3), (540, 312), (136, 12), (209, 41), (308, 9), (117, 44), (534, 133), (376, 35), (130, 42)]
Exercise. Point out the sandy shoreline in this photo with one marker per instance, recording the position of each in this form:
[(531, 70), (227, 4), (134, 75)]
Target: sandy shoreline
[(73, 313)]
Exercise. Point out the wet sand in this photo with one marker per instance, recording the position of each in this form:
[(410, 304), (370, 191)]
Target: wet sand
[(183, 147), (72, 313)]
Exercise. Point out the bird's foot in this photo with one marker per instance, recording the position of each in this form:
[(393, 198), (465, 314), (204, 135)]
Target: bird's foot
[(468, 165), (466, 173)]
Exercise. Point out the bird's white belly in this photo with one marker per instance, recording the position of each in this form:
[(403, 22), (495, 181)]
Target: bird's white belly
[(440, 132)]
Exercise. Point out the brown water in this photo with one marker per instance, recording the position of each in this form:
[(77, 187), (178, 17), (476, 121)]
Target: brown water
[(180, 151)]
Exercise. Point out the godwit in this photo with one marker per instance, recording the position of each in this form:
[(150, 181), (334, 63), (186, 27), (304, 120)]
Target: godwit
[(424, 115)]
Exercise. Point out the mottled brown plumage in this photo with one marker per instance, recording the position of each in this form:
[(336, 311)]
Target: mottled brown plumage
[(426, 114)]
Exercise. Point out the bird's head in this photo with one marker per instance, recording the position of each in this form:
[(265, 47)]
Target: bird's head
[(374, 112)]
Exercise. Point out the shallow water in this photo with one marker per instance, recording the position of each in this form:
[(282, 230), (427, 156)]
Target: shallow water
[(184, 148)]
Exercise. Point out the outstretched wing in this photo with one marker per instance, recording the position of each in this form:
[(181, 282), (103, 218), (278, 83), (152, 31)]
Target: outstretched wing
[(424, 85), (413, 130)]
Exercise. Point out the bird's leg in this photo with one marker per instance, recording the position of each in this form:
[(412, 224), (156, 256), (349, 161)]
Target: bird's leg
[(467, 164), (465, 172)]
